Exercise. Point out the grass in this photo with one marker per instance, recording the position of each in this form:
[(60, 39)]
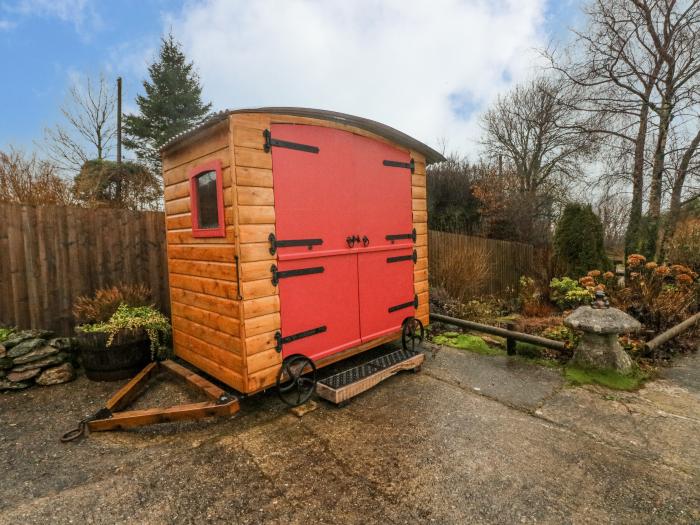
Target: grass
[(471, 343), (608, 378)]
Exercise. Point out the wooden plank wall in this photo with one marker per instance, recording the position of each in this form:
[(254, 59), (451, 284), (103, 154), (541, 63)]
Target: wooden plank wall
[(50, 255), (420, 223), (468, 267), (256, 220), (204, 293)]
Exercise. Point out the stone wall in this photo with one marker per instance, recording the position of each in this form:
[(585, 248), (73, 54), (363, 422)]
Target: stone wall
[(36, 357)]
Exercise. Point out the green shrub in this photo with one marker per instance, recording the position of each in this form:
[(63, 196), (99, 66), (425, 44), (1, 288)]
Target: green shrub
[(567, 293), (578, 241), (147, 318)]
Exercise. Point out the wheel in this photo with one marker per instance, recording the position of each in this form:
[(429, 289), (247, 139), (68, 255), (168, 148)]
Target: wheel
[(412, 334), (299, 375)]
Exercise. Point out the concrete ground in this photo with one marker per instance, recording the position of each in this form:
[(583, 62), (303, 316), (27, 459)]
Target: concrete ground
[(470, 439)]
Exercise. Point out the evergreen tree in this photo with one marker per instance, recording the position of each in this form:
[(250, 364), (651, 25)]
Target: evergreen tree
[(578, 241), (172, 103)]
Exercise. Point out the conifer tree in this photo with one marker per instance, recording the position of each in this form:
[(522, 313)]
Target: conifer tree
[(171, 104), (578, 241)]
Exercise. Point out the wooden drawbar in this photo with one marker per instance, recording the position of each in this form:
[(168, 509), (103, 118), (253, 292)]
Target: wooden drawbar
[(292, 231)]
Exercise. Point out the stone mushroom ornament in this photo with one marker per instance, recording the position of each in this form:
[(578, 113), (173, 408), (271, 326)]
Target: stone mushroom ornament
[(601, 325)]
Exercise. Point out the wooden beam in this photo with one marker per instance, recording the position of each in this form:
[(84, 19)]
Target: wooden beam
[(669, 334), (132, 389), (212, 391), (502, 332), (137, 418)]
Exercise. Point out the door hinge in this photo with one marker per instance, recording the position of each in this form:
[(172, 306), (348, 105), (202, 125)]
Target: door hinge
[(270, 142), (398, 236), (275, 243), (277, 275), (290, 338), (396, 164), (401, 306), (413, 257)]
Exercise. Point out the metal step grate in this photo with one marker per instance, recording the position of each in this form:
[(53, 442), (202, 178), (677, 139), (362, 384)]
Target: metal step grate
[(356, 373)]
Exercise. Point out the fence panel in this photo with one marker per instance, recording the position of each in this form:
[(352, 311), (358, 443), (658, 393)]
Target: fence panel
[(49, 255), (468, 267)]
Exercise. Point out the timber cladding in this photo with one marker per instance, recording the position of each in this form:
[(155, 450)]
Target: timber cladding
[(225, 307), (50, 255)]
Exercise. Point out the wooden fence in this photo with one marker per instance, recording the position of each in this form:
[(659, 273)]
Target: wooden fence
[(468, 267), (50, 255)]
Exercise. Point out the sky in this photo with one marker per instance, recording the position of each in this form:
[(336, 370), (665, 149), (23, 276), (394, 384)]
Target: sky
[(426, 67)]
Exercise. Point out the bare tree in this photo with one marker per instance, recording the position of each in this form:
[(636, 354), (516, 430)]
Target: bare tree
[(639, 62), (88, 129), (27, 180), (674, 29), (536, 130), (688, 165)]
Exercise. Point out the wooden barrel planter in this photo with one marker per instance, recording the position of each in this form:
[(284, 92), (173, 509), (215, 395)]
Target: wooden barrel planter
[(124, 358)]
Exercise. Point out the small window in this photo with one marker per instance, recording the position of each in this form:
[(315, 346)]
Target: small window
[(207, 201)]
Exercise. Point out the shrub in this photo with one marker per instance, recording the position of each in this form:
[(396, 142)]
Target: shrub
[(658, 295), (127, 317), (685, 244), (567, 293), (578, 241), (104, 303), (532, 302)]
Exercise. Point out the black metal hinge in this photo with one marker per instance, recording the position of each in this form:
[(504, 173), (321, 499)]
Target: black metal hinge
[(275, 243), (277, 275), (413, 257), (290, 338), (398, 236), (401, 306), (396, 164), (269, 142)]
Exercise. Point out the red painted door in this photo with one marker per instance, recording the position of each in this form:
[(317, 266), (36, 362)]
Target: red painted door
[(334, 296), (315, 199), (385, 265)]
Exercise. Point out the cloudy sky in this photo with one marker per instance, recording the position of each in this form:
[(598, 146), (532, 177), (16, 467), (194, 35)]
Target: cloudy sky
[(426, 67)]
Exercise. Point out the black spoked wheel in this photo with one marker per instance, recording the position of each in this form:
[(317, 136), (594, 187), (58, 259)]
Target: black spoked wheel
[(412, 334), (296, 380)]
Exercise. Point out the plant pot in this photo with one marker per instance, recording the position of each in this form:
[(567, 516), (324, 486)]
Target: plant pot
[(124, 358)]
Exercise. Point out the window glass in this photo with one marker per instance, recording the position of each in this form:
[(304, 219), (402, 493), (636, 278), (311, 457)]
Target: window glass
[(207, 202)]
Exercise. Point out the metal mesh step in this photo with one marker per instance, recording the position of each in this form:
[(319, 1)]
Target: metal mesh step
[(356, 373)]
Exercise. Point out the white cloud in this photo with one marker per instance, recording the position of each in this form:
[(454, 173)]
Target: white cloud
[(80, 13), (6, 25), (408, 63)]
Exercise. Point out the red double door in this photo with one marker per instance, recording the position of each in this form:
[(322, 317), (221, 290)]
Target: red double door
[(343, 236)]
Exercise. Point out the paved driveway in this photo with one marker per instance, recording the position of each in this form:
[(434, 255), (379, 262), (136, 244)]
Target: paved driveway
[(471, 439)]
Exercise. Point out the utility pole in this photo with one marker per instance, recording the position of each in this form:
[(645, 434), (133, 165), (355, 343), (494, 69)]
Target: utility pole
[(119, 120)]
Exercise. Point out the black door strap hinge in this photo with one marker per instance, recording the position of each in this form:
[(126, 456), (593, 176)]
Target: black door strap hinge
[(413, 257), (398, 236), (269, 142), (396, 164), (290, 338), (401, 306), (277, 275), (275, 243)]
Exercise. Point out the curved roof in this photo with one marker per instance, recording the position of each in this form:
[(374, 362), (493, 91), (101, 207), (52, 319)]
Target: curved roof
[(372, 126)]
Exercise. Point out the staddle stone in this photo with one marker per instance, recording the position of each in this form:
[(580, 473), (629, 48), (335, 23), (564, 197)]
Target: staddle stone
[(601, 325)]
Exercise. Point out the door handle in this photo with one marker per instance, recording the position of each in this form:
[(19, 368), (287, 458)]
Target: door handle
[(365, 240), (352, 239)]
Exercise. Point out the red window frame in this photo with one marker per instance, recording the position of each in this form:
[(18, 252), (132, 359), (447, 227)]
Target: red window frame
[(219, 231)]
